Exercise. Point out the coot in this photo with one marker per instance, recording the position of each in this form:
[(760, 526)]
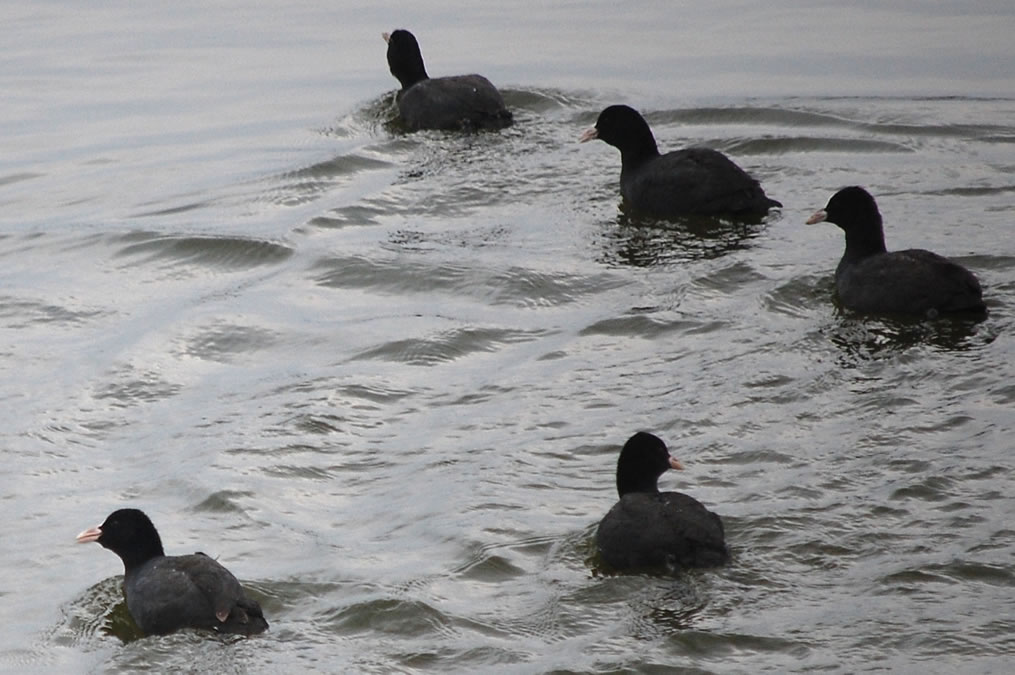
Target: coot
[(692, 181), (467, 102), (869, 278), (166, 593), (652, 530)]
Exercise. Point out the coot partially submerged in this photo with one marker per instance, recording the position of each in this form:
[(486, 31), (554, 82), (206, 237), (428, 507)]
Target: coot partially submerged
[(688, 182), (651, 530), (466, 102), (167, 593), (869, 278)]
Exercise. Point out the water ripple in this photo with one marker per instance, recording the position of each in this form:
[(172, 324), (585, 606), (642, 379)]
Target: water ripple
[(515, 286), (223, 253), (447, 345)]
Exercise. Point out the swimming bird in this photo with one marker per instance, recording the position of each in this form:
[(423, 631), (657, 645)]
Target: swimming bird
[(466, 102), (691, 181), (869, 278), (652, 530), (167, 593)]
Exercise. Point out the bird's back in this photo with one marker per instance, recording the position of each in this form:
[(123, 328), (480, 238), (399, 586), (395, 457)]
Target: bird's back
[(913, 281), (456, 102), (693, 181), (191, 591), (661, 530)]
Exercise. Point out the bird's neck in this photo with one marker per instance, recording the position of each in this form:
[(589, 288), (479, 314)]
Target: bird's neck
[(628, 482), (412, 75), (863, 244), (639, 151), (134, 559)]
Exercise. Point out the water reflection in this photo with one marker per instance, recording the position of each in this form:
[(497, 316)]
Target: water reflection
[(642, 241), (862, 338), (120, 624)]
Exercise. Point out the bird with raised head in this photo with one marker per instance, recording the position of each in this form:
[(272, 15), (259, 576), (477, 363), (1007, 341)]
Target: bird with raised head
[(167, 593), (870, 278), (693, 181), (652, 530)]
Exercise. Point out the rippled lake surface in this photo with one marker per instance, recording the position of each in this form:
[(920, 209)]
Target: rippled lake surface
[(384, 377)]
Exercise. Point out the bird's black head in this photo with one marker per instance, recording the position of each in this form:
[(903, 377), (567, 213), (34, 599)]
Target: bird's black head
[(404, 58), (852, 207), (128, 533), (642, 460), (854, 210), (624, 128)]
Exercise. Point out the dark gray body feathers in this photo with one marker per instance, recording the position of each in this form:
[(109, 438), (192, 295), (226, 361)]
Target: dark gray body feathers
[(913, 281), (693, 181), (661, 530), (168, 593), (465, 102)]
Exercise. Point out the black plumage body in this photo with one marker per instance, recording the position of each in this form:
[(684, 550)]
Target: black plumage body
[(662, 530), (168, 593), (456, 102)]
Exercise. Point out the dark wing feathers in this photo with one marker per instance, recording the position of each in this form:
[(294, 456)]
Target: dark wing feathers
[(670, 529), (913, 281), (456, 102), (215, 582), (698, 181), (191, 591)]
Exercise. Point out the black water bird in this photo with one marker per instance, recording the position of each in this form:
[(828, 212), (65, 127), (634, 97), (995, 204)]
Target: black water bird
[(458, 102), (167, 593), (869, 278), (689, 182), (651, 530)]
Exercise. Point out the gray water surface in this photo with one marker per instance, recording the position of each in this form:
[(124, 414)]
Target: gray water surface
[(384, 378)]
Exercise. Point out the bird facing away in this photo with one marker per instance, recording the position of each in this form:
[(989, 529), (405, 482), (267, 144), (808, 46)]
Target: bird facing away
[(688, 182), (167, 593), (652, 530), (458, 102), (869, 278)]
